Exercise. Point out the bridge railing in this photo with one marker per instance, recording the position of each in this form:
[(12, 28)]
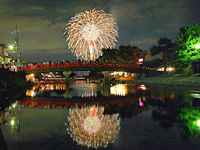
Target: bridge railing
[(75, 64)]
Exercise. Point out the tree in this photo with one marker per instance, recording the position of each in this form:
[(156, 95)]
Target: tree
[(164, 47), (187, 41), (96, 74), (109, 55), (125, 54), (130, 54), (154, 63)]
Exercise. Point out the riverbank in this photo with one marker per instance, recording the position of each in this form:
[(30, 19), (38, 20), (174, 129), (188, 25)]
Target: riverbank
[(176, 79), (3, 145), (12, 80)]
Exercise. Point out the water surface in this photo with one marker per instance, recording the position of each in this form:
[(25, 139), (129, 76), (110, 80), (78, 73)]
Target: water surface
[(148, 116)]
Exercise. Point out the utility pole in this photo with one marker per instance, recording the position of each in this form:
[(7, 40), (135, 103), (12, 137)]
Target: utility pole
[(16, 30)]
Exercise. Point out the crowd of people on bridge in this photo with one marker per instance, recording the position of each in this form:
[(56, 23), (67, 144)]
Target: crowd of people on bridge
[(10, 66), (49, 64)]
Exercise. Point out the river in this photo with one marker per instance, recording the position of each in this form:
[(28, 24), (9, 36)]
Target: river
[(114, 117)]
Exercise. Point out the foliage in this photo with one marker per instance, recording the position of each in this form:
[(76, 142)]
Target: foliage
[(188, 37), (110, 55), (10, 79), (129, 54), (125, 54), (187, 71), (165, 48), (189, 127), (96, 74), (154, 63)]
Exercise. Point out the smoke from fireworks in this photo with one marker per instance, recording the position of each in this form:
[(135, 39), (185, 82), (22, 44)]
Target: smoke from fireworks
[(89, 32)]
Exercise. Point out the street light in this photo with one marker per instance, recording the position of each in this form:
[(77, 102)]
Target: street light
[(197, 46), (11, 47), (198, 123)]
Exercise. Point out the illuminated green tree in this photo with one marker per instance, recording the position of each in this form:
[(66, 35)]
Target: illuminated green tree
[(188, 49), (189, 126)]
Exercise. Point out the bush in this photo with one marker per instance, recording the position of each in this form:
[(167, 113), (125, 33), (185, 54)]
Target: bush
[(188, 72)]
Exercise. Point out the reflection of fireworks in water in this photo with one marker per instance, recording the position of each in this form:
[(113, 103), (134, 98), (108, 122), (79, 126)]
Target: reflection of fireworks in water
[(90, 127), (89, 32)]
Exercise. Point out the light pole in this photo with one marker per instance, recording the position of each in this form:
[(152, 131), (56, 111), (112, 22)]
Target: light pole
[(198, 123), (16, 30)]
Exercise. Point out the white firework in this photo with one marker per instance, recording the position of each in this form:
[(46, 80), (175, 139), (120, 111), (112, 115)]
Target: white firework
[(89, 32)]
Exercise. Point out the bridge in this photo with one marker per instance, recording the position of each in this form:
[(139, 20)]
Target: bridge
[(68, 67), (86, 66)]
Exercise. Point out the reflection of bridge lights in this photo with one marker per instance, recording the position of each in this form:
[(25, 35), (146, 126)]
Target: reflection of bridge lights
[(33, 93), (119, 89), (89, 127), (87, 93), (141, 103), (142, 87)]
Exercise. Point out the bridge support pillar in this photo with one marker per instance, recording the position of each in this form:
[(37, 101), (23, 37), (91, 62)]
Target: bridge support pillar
[(106, 79), (106, 90), (67, 73)]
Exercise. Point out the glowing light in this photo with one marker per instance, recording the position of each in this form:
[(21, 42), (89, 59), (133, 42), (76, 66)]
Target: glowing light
[(198, 123), (89, 32), (33, 93), (89, 127), (142, 87), (141, 104), (141, 60), (167, 69), (119, 89), (197, 46), (11, 47), (32, 75), (12, 122)]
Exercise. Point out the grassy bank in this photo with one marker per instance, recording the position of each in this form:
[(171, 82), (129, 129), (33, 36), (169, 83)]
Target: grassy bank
[(3, 145), (175, 79)]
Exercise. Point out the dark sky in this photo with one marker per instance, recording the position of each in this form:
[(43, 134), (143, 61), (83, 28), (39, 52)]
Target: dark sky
[(42, 23)]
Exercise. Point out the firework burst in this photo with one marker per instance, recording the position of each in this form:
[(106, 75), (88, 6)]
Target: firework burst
[(90, 127), (89, 32)]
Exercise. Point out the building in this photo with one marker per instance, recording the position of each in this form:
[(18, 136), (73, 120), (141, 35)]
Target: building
[(4, 56)]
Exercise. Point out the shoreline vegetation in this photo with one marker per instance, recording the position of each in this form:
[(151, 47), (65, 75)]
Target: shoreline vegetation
[(10, 80), (174, 79)]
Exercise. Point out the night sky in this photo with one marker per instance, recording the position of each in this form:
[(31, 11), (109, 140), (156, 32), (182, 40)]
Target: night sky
[(42, 23)]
